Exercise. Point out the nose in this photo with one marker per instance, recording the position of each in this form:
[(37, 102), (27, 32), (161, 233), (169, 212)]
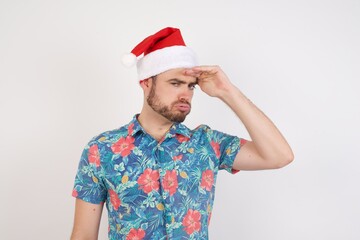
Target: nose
[(186, 95)]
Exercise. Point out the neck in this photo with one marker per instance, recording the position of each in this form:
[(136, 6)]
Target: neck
[(154, 124)]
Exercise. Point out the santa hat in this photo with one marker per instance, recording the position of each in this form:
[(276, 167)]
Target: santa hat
[(162, 51)]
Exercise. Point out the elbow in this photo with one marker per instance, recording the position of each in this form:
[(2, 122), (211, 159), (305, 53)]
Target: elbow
[(279, 160), (284, 160)]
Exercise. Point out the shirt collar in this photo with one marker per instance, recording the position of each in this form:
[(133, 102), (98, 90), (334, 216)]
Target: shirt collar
[(176, 128), (179, 128), (135, 126)]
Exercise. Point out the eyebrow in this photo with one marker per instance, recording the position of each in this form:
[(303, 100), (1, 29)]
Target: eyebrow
[(182, 81)]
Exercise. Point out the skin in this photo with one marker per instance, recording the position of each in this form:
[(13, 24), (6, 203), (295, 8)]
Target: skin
[(177, 110), (172, 87), (174, 90), (86, 221)]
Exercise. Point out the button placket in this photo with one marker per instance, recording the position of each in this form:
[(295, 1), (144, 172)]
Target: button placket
[(165, 163), (168, 222)]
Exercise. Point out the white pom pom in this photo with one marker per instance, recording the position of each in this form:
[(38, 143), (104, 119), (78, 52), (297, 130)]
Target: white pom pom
[(129, 59)]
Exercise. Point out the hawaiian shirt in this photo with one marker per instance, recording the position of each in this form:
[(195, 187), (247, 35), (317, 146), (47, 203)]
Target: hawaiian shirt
[(155, 189)]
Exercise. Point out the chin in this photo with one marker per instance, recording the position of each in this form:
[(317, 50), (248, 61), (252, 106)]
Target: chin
[(177, 118)]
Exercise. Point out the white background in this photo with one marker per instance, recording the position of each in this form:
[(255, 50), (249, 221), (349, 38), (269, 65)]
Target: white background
[(61, 83)]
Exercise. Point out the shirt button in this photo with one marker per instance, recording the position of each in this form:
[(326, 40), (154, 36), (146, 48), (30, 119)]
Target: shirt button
[(167, 225), (160, 170), (164, 197)]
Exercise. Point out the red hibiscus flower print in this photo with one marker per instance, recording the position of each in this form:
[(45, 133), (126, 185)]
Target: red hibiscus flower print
[(94, 155), (149, 180), (216, 148), (179, 157), (114, 199), (170, 182), (182, 138), (130, 128), (123, 146), (74, 193), (207, 180), (191, 221), (135, 234)]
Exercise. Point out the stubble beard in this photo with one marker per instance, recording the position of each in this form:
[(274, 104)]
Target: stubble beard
[(165, 111)]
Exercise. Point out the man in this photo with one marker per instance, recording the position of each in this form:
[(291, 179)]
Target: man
[(156, 176)]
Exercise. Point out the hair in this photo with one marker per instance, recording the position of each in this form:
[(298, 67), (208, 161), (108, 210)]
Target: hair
[(154, 79)]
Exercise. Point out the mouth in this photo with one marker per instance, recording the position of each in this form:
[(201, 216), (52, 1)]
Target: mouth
[(183, 107)]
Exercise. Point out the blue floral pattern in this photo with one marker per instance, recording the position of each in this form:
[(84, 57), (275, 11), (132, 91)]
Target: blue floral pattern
[(155, 190)]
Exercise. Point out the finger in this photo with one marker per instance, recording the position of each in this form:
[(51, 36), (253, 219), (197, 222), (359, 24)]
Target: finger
[(190, 72), (207, 69)]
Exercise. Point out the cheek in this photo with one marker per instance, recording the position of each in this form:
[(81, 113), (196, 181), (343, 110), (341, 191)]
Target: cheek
[(167, 96), (192, 94)]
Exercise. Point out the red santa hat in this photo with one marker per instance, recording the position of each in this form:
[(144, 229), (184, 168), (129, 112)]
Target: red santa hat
[(160, 52)]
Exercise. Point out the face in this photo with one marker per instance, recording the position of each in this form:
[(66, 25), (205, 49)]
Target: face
[(171, 93)]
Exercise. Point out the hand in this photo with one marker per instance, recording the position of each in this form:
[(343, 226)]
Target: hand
[(211, 79)]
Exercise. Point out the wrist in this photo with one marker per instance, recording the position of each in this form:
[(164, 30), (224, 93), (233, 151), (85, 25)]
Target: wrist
[(233, 97)]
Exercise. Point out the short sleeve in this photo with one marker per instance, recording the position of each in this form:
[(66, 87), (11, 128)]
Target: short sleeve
[(88, 184), (226, 148)]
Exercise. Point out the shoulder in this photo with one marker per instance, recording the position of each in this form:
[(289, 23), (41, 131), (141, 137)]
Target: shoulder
[(202, 133), (213, 134), (110, 136), (202, 128)]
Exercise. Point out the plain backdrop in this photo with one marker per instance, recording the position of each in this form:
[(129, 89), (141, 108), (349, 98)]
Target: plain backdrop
[(62, 82)]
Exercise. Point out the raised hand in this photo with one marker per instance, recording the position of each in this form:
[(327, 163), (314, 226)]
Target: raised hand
[(211, 79)]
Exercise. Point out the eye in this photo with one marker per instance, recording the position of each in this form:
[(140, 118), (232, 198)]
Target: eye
[(192, 87), (175, 84)]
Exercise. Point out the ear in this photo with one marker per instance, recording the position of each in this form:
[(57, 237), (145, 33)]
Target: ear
[(145, 84)]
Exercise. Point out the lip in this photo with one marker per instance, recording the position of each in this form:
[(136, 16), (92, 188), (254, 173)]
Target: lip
[(183, 107)]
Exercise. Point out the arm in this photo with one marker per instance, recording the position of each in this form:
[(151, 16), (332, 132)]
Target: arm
[(87, 220), (268, 148)]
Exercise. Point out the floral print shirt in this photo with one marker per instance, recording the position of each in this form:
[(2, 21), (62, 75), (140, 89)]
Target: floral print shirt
[(155, 190)]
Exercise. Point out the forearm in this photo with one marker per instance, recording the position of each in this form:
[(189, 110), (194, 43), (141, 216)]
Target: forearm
[(269, 142), (269, 148)]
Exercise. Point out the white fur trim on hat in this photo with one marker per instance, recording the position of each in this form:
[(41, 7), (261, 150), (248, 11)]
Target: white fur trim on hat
[(165, 59)]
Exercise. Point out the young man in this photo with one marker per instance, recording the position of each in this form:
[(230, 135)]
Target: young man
[(156, 176)]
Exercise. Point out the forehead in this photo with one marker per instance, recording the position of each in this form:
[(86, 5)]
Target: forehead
[(177, 73)]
